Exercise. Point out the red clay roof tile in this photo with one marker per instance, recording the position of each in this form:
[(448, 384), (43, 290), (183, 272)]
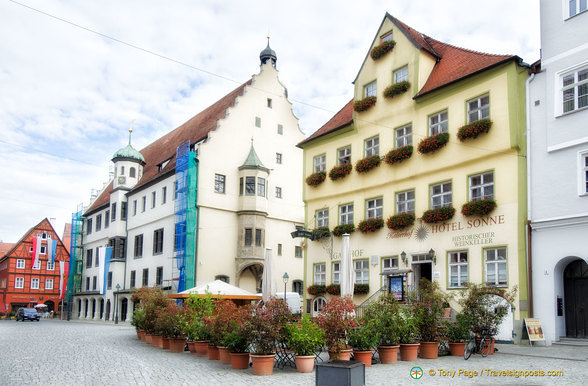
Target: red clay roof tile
[(343, 118)]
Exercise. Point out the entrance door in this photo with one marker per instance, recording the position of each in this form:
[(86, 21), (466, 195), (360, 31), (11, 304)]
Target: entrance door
[(123, 309), (576, 303), (421, 269)]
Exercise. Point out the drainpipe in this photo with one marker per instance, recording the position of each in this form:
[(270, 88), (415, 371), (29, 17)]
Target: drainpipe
[(529, 206)]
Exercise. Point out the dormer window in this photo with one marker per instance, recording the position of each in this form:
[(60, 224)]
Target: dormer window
[(161, 165)]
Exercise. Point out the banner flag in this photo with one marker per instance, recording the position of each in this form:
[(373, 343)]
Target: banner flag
[(63, 273), (100, 253), (51, 249), (36, 250), (106, 259)]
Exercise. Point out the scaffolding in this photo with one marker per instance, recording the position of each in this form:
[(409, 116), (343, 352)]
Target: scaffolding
[(183, 266), (74, 280)]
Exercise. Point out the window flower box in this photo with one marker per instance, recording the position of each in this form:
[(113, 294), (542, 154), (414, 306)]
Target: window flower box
[(316, 289), (334, 289), (368, 163), (340, 230), (316, 179), (364, 104), (361, 289), (472, 130), (396, 89), (395, 156), (400, 221), (320, 233), (370, 225), (433, 216), (433, 143), (478, 208), (381, 50), (340, 171)]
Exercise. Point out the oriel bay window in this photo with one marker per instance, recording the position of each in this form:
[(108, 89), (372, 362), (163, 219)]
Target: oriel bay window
[(261, 187), (250, 186), (458, 269), (248, 237), (258, 236)]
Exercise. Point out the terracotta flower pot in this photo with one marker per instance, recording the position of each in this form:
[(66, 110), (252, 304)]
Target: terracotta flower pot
[(344, 355), (192, 347), (213, 353), (224, 355), (148, 338), (409, 351), (388, 354), (492, 347), (363, 356), (165, 345), (177, 344), (263, 364), (457, 349), (304, 363), (157, 341), (239, 360), (139, 334), (201, 348), (429, 350)]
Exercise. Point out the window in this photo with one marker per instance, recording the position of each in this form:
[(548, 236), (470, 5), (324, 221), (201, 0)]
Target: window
[(577, 6), (257, 122), (43, 250), (88, 226), (401, 75), (134, 207), (143, 203), (575, 90), (35, 283), (458, 269), (50, 266), (123, 210), (258, 241), (278, 158), (133, 275), (438, 123), (89, 253), (106, 219), (405, 202), (337, 273), (403, 136), (370, 89), (372, 146), (298, 251), (145, 277), (373, 208), (440, 195), (138, 250), (479, 108), (153, 198), (278, 192), (37, 264), (109, 281), (280, 129), (159, 276), (362, 272), (20, 264), (219, 183), (261, 187), (250, 186), (248, 237), (387, 37), (319, 274), (163, 195), (482, 187), (19, 282), (388, 263), (132, 172), (269, 103), (344, 155), (297, 286), (48, 284), (279, 249), (322, 218), (94, 283), (320, 163), (241, 186), (87, 284), (97, 257), (495, 261), (98, 222), (120, 252), (346, 214), (122, 170), (583, 174), (113, 212), (158, 241)]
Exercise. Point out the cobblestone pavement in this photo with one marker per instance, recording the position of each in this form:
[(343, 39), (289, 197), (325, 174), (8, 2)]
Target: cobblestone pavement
[(53, 352)]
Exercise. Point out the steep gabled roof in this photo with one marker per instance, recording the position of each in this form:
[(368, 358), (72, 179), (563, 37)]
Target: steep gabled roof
[(164, 149), (343, 118), (5, 247), (45, 224)]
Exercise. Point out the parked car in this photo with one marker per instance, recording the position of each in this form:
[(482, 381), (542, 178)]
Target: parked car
[(27, 313)]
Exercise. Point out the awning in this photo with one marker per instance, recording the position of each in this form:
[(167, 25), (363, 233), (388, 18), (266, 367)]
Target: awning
[(218, 289)]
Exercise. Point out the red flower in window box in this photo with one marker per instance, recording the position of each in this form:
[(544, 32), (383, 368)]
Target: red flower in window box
[(364, 104), (398, 155), (382, 49), (316, 179), (396, 89), (316, 289), (370, 225), (472, 130), (340, 171), (368, 163), (433, 143), (334, 289), (439, 215), (400, 221), (478, 208), (340, 230)]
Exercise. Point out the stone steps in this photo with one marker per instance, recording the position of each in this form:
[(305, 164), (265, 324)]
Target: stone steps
[(563, 341)]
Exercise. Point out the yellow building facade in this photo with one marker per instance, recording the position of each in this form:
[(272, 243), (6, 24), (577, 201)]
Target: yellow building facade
[(433, 88)]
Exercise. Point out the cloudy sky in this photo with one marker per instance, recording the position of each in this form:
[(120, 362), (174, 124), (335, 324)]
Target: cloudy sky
[(74, 74)]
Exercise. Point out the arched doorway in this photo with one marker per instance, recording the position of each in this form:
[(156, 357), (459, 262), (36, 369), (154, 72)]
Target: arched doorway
[(575, 294), (50, 305), (101, 308), (87, 306), (108, 309), (249, 277), (317, 305), (123, 309), (93, 308)]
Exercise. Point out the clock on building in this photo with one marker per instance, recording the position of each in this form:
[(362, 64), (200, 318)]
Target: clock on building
[(121, 180)]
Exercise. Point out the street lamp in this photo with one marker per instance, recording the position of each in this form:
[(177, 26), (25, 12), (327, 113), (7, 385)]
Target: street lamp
[(285, 278), (116, 304)]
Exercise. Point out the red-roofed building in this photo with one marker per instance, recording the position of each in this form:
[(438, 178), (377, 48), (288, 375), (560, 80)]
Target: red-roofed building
[(432, 130), (24, 285)]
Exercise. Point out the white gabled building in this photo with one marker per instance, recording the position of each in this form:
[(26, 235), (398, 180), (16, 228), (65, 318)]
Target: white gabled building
[(244, 195)]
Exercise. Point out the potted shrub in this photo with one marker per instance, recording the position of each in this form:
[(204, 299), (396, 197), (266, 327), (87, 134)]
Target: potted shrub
[(398, 155), (315, 179), (370, 225), (472, 130), (429, 308), (137, 321), (316, 289), (400, 221), (225, 314), (363, 338), (336, 319), (408, 333), (196, 330), (341, 171), (478, 208), (382, 49), (396, 89), (364, 104), (340, 230), (172, 326), (458, 333), (151, 300), (304, 338), (442, 214), (366, 164), (433, 143), (385, 314), (267, 327), (238, 338)]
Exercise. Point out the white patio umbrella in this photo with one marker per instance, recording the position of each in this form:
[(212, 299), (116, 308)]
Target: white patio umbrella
[(347, 274), (268, 284)]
